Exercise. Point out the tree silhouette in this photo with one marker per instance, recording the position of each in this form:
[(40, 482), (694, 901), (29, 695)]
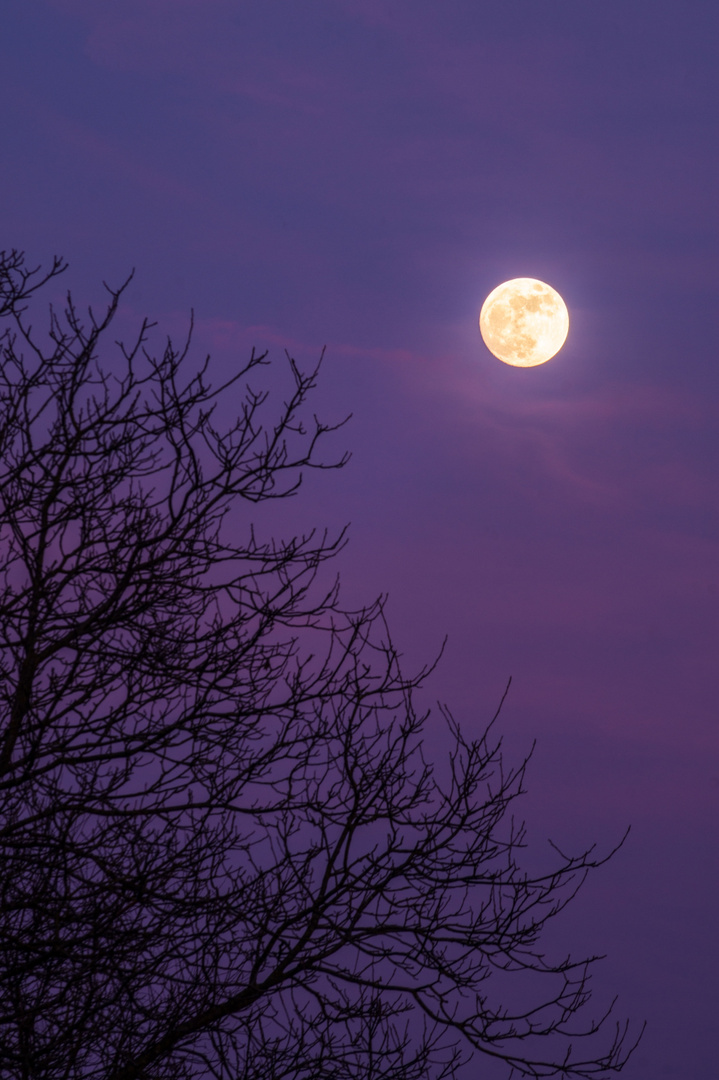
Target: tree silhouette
[(223, 852)]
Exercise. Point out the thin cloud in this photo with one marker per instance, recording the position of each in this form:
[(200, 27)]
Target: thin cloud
[(112, 157)]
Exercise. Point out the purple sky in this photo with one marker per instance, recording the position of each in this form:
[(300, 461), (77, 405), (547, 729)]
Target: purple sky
[(360, 174)]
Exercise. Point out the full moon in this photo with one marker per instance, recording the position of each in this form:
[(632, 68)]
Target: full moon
[(524, 322)]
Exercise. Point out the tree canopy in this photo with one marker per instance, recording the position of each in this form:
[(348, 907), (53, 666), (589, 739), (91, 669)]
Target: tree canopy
[(224, 852)]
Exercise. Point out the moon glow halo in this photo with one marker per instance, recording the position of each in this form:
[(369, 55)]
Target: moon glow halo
[(524, 322)]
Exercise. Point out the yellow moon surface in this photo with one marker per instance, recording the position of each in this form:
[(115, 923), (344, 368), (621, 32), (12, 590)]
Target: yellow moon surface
[(524, 322)]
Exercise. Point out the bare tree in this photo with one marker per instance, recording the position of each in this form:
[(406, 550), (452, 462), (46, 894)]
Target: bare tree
[(223, 852)]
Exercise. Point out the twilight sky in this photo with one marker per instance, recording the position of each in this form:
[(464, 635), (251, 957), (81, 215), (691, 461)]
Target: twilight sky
[(360, 174)]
